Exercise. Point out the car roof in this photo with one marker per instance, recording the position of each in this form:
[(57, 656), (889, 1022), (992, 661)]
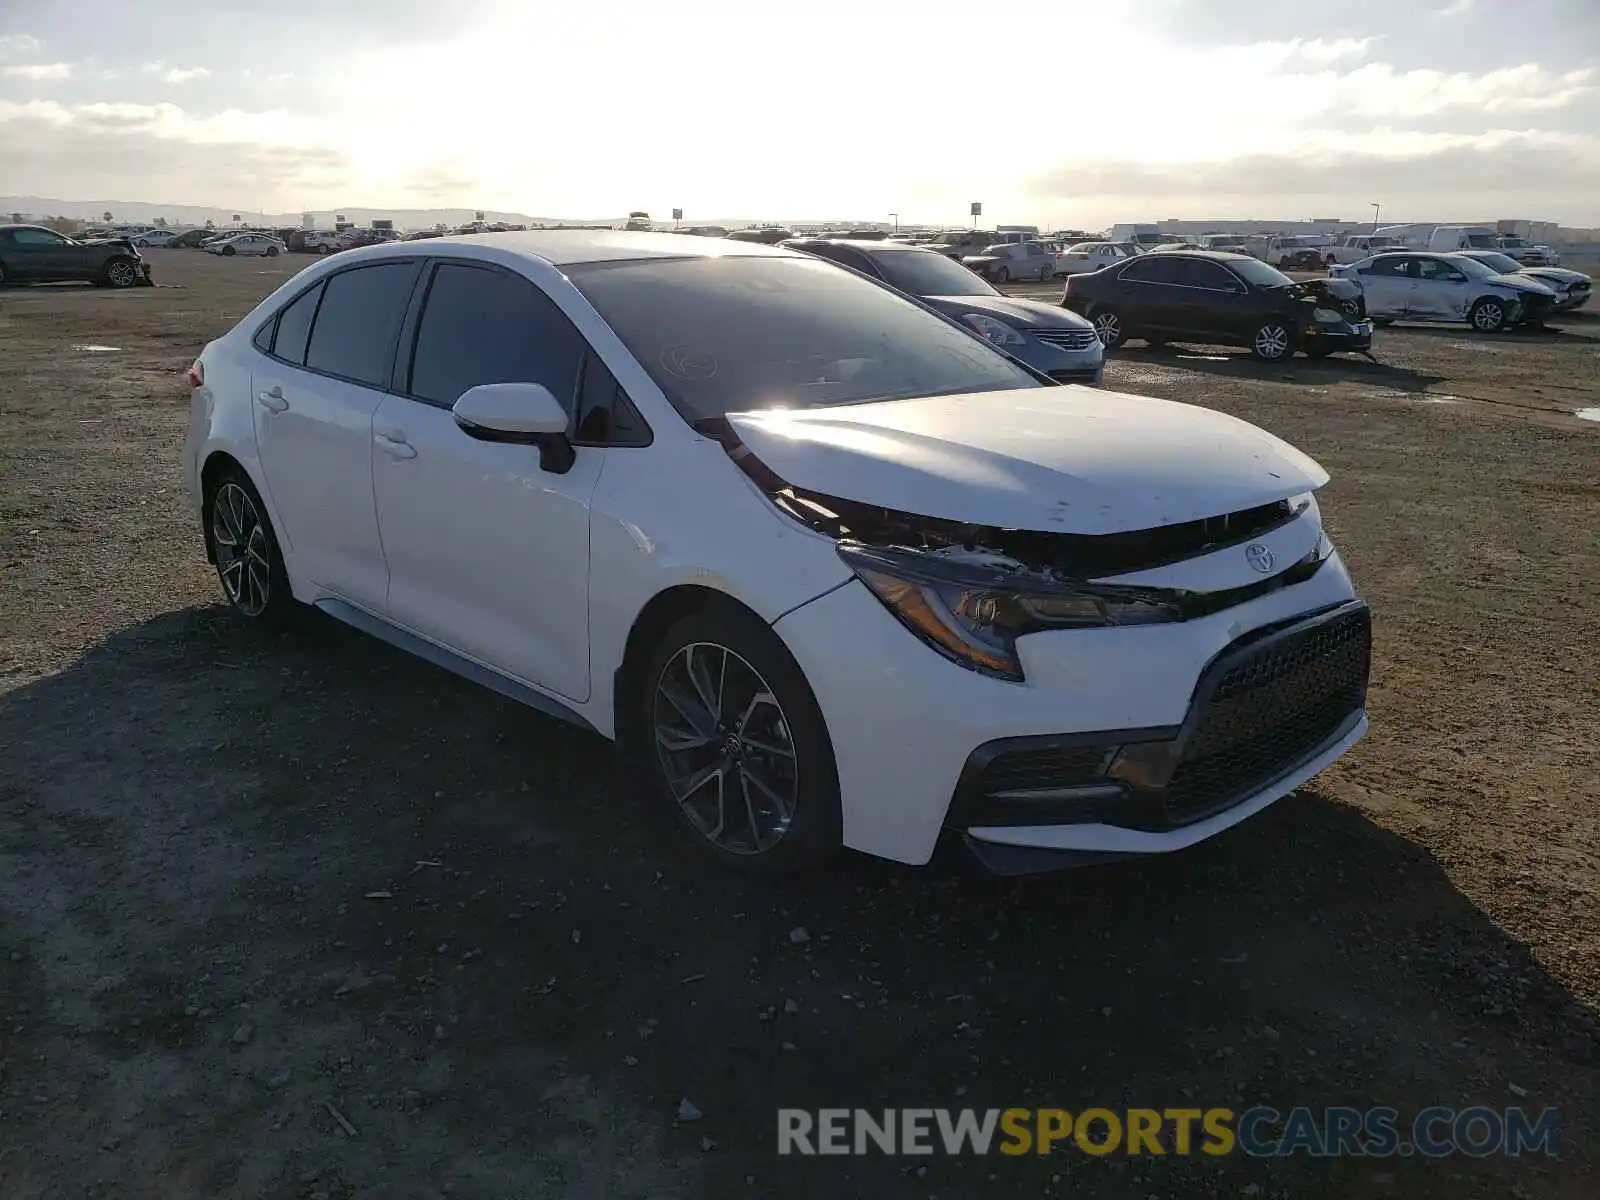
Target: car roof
[(1213, 255), (864, 244), (570, 247), (10, 226)]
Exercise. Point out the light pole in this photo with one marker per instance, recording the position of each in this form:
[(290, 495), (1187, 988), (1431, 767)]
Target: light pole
[(1376, 209), (896, 218)]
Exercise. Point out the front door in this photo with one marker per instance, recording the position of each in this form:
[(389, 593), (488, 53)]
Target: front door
[(488, 552), (41, 254), (315, 393), (1440, 291)]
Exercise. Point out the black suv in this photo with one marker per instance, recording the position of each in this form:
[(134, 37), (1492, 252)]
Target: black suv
[(34, 254), (1217, 298)]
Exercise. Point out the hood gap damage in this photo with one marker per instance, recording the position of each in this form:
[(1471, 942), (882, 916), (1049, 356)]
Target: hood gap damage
[(1059, 557)]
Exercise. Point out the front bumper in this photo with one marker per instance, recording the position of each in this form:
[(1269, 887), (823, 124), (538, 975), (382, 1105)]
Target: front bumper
[(905, 723), (1351, 336), (1064, 364)]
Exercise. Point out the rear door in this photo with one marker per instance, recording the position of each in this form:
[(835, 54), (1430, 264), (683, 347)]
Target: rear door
[(1148, 294), (488, 552), (1386, 285), (328, 360)]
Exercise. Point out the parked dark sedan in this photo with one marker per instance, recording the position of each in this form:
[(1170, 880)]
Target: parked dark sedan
[(1217, 298), (193, 239), (1060, 344), (34, 254)]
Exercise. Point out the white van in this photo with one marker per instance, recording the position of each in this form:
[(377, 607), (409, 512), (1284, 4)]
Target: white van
[(1147, 237), (1447, 238)]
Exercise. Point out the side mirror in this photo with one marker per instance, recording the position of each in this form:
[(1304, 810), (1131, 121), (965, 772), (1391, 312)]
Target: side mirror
[(525, 414)]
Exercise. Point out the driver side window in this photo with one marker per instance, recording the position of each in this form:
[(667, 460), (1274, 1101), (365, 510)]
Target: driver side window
[(37, 237)]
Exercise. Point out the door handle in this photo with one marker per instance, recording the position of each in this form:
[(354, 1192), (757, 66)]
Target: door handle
[(272, 399), (394, 447)]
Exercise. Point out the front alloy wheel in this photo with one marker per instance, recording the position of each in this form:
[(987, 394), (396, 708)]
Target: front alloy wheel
[(725, 750), (121, 273), (1271, 342), (1488, 316)]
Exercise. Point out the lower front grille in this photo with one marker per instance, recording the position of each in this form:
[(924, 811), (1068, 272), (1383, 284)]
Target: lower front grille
[(1269, 712), (1084, 376), (1262, 709)]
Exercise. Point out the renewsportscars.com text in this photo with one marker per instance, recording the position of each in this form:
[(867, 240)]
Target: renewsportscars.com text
[(1261, 1131)]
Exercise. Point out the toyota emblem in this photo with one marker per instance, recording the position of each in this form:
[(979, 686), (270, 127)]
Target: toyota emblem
[(1259, 557)]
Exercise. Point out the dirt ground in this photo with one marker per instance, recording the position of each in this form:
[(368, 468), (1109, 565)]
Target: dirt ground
[(302, 917)]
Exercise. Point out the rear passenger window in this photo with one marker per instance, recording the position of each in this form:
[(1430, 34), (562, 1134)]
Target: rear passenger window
[(485, 326), (359, 322), (294, 326)]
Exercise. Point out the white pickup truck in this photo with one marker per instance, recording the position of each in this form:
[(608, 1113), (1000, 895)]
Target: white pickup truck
[(1356, 247)]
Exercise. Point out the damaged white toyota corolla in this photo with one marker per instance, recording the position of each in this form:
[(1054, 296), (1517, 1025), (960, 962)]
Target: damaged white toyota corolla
[(834, 570)]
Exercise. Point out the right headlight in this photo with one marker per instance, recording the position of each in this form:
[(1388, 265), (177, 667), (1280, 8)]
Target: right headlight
[(994, 330), (972, 611)]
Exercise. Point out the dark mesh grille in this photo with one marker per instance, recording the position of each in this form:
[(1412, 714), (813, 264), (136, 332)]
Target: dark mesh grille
[(1269, 713), (1051, 766)]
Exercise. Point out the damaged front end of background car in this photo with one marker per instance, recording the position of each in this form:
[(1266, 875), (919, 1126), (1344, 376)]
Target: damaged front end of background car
[(970, 591)]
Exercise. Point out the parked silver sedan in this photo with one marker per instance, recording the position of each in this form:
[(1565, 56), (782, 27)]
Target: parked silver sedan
[(247, 243), (1014, 260)]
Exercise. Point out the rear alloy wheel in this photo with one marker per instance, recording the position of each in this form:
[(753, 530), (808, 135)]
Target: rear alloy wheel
[(1271, 342), (249, 564), (1108, 328), (737, 746), (1488, 315), (228, 251), (1002, 275), (122, 273), (272, 252)]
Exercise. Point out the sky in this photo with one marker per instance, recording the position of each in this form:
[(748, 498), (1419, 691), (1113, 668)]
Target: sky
[(1061, 113)]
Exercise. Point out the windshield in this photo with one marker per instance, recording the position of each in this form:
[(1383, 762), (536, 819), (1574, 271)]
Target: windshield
[(1503, 263), (925, 273), (1259, 273), (733, 334), (1513, 243), (1473, 267), (1481, 241)]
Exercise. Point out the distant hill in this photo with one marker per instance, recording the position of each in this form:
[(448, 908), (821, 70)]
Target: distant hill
[(35, 208)]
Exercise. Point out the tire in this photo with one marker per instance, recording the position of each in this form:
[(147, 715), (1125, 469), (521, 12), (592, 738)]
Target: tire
[(1488, 315), (272, 252), (121, 272), (236, 517), (324, 248), (1272, 341), (228, 252), (676, 740), (1002, 275), (1109, 327)]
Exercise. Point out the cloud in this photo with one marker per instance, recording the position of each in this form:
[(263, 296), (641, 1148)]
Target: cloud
[(159, 150), (1377, 89), (1528, 174), (18, 45), (38, 71), (184, 75), (1320, 50)]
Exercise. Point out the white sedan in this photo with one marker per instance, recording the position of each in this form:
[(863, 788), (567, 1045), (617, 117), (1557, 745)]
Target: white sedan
[(1090, 256), (154, 237), (1446, 287), (247, 243), (834, 571)]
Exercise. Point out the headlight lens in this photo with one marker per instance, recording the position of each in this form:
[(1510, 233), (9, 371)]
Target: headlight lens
[(1328, 316), (997, 332), (973, 611)]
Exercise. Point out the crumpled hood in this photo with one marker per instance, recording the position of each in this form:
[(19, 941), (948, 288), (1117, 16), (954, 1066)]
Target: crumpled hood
[(1022, 313), (1553, 275), (1523, 283), (1055, 459)]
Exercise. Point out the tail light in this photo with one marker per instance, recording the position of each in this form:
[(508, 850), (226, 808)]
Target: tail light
[(196, 374)]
